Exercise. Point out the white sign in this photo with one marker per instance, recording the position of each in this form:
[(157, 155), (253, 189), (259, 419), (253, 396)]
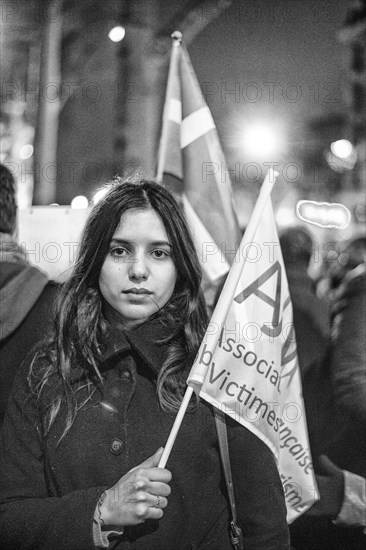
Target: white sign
[(50, 236)]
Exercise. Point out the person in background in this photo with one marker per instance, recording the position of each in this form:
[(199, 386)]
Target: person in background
[(338, 519), (310, 313), (348, 313), (26, 294), (79, 459), (346, 444)]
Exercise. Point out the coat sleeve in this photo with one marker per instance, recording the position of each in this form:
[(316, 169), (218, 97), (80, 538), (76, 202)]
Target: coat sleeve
[(29, 517), (348, 354), (258, 491)]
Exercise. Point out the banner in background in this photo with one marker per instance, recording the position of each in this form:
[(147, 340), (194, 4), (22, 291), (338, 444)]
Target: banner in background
[(51, 236)]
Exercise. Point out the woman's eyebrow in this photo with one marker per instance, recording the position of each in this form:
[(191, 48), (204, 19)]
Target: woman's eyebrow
[(120, 241), (160, 243), (152, 243)]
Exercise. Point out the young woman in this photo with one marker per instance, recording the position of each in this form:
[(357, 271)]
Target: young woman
[(91, 410)]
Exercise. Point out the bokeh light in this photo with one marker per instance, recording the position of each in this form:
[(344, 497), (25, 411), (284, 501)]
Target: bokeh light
[(79, 202), (117, 34), (26, 151), (323, 214), (342, 148)]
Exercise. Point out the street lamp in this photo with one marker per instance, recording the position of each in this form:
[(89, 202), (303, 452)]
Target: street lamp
[(261, 141)]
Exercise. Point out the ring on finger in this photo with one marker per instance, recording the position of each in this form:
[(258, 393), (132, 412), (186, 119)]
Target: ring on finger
[(157, 505)]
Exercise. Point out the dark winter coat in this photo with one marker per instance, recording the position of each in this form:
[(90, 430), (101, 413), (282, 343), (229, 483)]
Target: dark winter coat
[(348, 355), (335, 393), (26, 302), (49, 492)]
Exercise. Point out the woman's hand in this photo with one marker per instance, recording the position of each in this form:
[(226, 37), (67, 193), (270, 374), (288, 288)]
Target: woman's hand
[(138, 495)]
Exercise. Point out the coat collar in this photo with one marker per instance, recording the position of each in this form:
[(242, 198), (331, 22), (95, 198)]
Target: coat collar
[(145, 340)]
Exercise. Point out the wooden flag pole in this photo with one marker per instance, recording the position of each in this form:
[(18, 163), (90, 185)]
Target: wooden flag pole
[(175, 429), (221, 310)]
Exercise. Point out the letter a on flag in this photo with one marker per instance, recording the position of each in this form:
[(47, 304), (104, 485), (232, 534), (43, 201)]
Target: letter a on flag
[(192, 165), (249, 368)]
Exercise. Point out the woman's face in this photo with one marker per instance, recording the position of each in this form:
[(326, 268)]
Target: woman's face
[(138, 275)]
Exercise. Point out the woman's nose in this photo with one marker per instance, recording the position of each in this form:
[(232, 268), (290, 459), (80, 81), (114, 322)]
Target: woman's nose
[(138, 269)]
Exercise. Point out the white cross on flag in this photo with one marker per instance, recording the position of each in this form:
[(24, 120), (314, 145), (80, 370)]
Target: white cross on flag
[(192, 165)]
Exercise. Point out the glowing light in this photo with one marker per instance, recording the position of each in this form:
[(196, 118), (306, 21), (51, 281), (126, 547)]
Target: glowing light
[(324, 214), (117, 34), (26, 151), (260, 141), (342, 148), (79, 202), (98, 195)]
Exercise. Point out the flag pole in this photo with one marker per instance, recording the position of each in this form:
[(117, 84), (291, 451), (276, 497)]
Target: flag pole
[(221, 310), (176, 42), (175, 429)]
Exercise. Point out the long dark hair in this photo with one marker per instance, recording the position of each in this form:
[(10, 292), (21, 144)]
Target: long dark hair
[(80, 324)]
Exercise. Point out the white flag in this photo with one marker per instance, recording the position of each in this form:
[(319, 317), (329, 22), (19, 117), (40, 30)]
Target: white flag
[(252, 374)]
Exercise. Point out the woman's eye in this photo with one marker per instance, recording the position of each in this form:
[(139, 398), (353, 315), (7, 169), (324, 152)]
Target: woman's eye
[(118, 251), (160, 254)]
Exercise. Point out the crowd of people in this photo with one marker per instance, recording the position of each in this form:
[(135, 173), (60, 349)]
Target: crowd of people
[(93, 372)]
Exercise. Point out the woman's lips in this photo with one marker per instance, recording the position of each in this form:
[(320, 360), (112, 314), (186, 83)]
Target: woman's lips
[(137, 291)]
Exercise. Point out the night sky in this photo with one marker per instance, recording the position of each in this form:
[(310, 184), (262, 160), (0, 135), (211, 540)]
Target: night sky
[(281, 60)]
